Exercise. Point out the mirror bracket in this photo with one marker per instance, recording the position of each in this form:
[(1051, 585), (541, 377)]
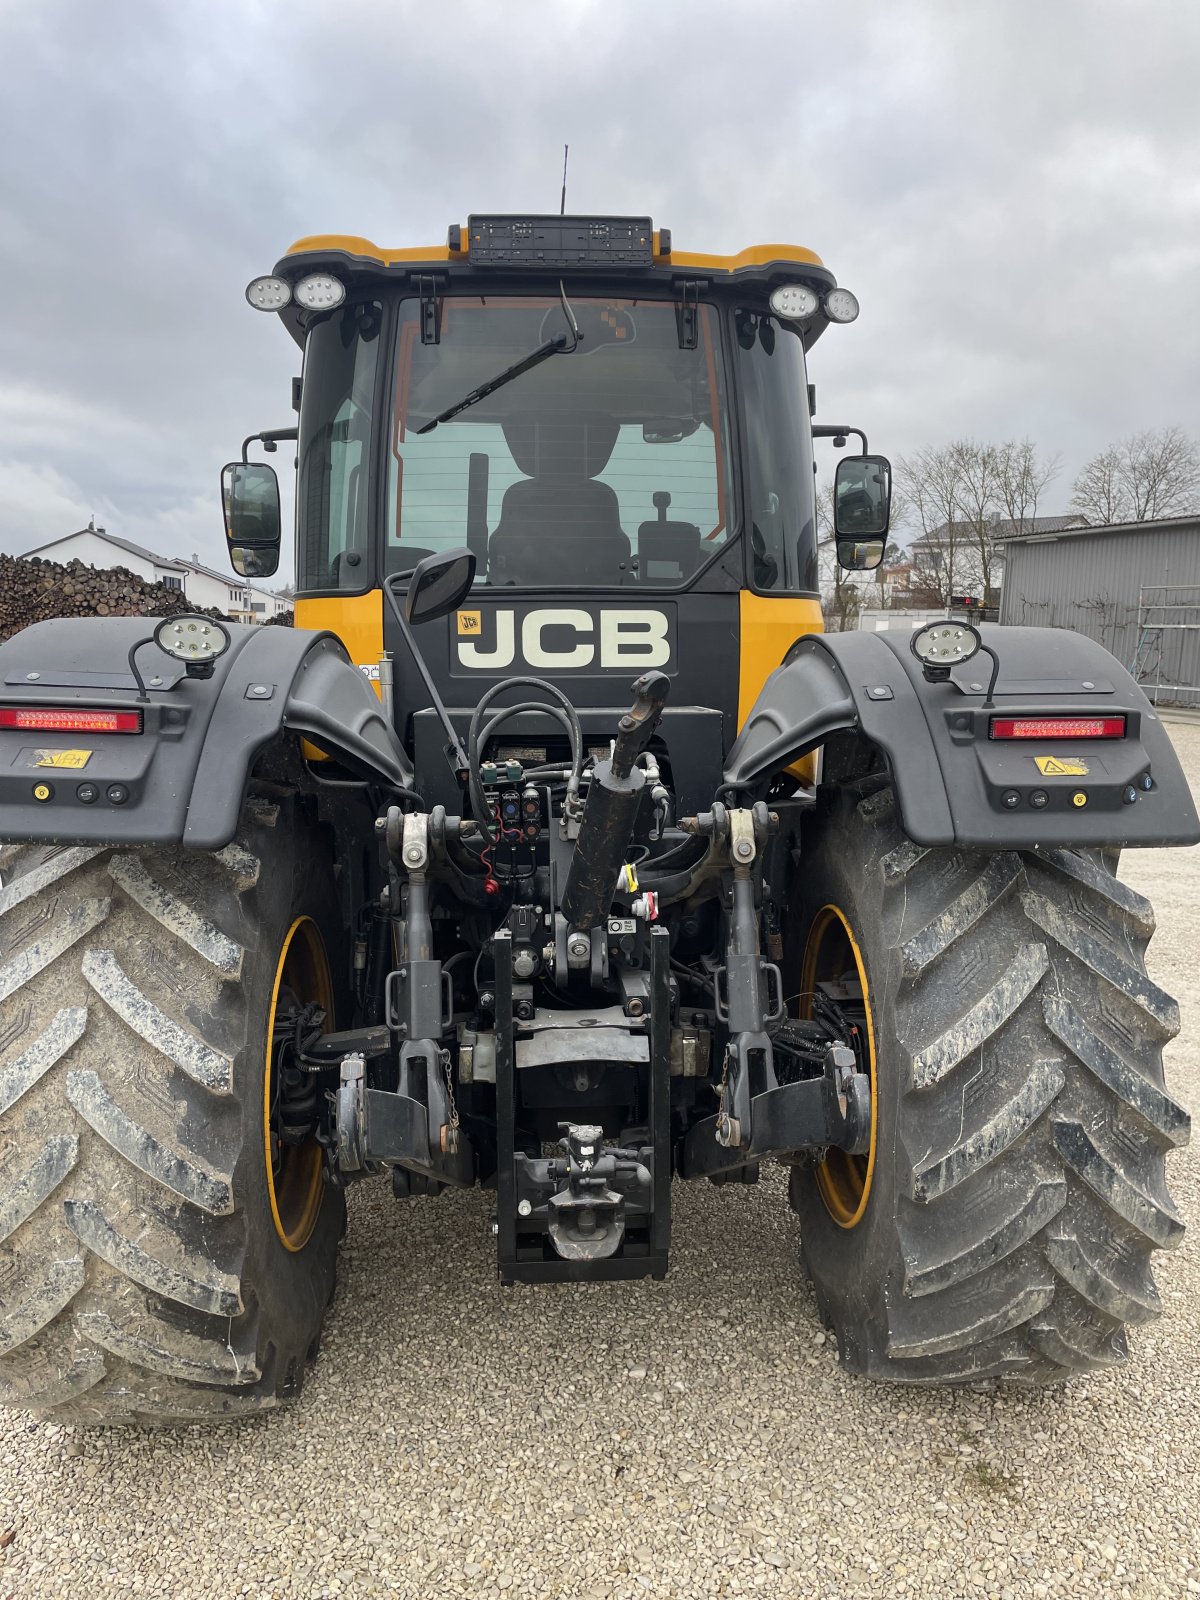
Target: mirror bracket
[(837, 432)]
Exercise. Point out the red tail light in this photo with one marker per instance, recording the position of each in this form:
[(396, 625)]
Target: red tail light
[(1057, 728), (55, 719)]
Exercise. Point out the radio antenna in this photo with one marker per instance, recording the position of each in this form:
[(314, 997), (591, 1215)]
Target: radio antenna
[(562, 209)]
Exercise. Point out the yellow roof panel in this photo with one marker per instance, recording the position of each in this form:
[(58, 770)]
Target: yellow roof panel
[(757, 255)]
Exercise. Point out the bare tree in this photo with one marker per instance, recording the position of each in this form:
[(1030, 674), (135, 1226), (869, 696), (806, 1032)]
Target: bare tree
[(1151, 474), (930, 482), (977, 468), (1023, 480)]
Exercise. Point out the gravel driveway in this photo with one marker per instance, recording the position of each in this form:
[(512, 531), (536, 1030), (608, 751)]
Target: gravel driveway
[(689, 1438)]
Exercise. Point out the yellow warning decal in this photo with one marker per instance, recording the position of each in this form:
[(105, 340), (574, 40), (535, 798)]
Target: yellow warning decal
[(61, 758), (469, 622), (1061, 766)]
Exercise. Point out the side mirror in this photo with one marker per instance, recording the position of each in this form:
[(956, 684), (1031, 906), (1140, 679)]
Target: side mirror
[(862, 503), (439, 584), (253, 520)]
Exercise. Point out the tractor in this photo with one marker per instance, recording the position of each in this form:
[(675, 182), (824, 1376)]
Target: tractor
[(557, 851)]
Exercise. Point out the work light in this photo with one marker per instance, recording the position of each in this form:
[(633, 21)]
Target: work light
[(268, 293), (320, 291), (794, 301), (841, 305), (198, 641), (945, 644)]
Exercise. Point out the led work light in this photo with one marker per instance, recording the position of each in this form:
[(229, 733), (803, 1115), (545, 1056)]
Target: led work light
[(196, 641), (268, 293), (794, 301), (320, 291), (841, 305), (945, 644)]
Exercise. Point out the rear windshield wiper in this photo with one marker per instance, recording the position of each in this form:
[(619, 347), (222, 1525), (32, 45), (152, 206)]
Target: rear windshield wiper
[(562, 343)]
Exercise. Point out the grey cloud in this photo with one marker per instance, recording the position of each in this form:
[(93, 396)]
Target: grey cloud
[(1009, 189)]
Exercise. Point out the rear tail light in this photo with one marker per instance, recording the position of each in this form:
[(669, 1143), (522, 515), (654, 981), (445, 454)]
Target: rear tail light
[(1057, 728), (54, 719)]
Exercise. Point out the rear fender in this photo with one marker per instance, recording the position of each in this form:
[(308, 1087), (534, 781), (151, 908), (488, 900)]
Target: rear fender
[(183, 778), (954, 783)]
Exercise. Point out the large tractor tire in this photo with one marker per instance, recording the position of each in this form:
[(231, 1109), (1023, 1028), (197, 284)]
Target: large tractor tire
[(164, 1258), (1003, 1222)]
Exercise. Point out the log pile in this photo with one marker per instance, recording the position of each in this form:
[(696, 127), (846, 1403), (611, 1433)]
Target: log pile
[(32, 590)]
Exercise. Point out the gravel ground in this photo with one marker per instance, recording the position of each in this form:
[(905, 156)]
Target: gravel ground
[(690, 1438)]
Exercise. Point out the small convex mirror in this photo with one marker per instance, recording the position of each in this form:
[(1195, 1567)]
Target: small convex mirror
[(253, 520), (862, 500), (439, 584)]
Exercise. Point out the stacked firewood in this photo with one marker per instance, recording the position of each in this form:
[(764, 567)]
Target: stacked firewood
[(32, 590)]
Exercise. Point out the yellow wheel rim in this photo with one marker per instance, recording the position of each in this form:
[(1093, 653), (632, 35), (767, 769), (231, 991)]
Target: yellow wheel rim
[(844, 1180), (295, 1175)]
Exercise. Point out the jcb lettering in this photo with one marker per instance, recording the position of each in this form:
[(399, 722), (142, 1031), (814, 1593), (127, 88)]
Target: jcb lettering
[(568, 638), (534, 650), (634, 639), (504, 653)]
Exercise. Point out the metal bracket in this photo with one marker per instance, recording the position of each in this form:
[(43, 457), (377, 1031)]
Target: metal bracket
[(687, 313), (431, 309)]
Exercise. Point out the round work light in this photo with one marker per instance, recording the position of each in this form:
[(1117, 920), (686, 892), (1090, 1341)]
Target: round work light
[(794, 301), (945, 644), (268, 293), (197, 641), (841, 305), (320, 291)]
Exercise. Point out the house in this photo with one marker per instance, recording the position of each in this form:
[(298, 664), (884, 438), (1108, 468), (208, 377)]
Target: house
[(204, 588), (948, 556)]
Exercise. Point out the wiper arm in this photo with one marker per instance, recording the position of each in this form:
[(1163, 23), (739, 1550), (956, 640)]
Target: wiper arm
[(526, 364), (561, 343)]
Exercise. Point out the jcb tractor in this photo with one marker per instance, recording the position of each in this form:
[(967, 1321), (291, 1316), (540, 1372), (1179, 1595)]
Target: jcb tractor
[(557, 851)]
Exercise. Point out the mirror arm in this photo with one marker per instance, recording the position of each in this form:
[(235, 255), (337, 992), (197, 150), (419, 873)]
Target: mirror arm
[(828, 430), (270, 439), (435, 699)]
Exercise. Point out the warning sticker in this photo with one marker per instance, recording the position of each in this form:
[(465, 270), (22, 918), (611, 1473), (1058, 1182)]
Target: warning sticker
[(469, 622), (61, 758), (1061, 766)]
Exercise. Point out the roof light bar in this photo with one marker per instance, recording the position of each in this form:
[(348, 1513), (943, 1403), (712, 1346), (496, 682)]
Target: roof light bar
[(1057, 728), (54, 719)]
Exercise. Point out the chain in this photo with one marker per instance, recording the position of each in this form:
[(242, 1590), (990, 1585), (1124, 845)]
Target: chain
[(449, 1077), (724, 1083)]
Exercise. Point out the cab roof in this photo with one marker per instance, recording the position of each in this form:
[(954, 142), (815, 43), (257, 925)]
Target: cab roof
[(492, 248)]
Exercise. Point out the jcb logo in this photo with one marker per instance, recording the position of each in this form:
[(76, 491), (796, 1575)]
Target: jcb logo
[(564, 639)]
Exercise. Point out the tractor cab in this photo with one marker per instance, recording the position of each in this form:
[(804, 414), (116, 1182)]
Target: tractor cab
[(619, 433)]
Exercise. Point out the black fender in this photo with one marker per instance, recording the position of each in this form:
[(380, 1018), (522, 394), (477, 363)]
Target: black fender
[(957, 784), (183, 777)]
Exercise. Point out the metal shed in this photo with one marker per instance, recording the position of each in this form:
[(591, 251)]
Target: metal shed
[(1134, 587)]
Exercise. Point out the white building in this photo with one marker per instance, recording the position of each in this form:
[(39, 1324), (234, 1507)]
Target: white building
[(204, 588)]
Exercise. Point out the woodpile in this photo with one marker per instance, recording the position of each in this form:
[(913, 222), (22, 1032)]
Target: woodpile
[(32, 590)]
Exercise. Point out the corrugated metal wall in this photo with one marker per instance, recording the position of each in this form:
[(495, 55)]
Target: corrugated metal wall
[(1090, 584)]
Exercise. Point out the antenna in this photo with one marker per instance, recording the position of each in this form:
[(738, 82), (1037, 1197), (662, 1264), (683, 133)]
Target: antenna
[(562, 209)]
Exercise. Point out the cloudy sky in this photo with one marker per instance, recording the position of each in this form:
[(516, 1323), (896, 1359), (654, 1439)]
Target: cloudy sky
[(1012, 188)]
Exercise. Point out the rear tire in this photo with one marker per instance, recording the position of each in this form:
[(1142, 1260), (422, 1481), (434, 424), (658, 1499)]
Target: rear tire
[(1017, 1186), (142, 1276)]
